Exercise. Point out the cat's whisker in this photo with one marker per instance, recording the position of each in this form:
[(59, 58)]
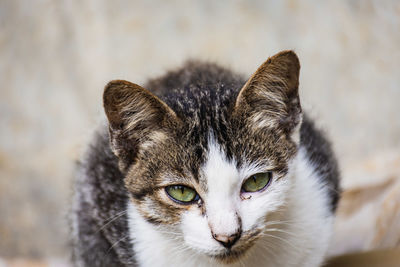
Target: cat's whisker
[(275, 247), (181, 248), (281, 231), (194, 254), (294, 225), (281, 222), (282, 239), (169, 233), (338, 191), (270, 251), (118, 213), (116, 243), (241, 263), (278, 244), (115, 217)]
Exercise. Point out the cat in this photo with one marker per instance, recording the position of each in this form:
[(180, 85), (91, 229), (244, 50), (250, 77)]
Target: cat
[(205, 169)]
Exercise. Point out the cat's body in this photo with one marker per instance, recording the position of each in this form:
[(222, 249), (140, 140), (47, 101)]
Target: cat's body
[(205, 132)]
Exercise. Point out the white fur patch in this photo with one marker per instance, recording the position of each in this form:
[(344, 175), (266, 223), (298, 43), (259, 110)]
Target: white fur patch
[(223, 184)]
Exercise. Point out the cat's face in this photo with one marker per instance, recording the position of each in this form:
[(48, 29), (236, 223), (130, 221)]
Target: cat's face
[(215, 188), (221, 210)]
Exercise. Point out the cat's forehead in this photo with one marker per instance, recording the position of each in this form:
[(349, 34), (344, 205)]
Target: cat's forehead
[(220, 172), (240, 152)]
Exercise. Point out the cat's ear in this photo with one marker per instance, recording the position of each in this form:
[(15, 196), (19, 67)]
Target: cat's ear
[(270, 98), (135, 117)]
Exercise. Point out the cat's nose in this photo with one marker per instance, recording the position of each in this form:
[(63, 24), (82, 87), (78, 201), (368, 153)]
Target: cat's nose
[(227, 240)]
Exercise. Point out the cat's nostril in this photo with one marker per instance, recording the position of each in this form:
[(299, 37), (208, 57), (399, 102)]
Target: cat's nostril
[(225, 240)]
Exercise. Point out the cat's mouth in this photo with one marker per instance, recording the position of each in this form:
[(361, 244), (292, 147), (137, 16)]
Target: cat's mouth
[(234, 254)]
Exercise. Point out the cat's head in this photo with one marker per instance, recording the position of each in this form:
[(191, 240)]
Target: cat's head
[(218, 176)]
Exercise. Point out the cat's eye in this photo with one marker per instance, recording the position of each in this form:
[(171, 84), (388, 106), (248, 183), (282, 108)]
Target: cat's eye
[(182, 194), (257, 182)]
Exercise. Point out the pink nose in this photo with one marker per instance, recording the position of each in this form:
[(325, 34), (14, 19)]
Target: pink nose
[(227, 241)]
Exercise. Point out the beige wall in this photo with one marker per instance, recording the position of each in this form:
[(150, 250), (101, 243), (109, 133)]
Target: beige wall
[(56, 56)]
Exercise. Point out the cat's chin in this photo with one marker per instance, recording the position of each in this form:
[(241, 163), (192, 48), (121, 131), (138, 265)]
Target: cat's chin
[(230, 256)]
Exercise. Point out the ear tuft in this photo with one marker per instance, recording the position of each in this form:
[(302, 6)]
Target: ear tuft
[(270, 97)]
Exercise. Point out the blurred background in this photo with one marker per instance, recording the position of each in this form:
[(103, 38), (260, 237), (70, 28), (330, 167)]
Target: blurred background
[(56, 57)]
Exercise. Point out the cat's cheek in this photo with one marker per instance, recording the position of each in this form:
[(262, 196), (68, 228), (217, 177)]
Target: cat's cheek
[(256, 209), (252, 213), (196, 232)]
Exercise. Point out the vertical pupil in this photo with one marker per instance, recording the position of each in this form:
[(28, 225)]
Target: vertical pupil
[(182, 189), (254, 179)]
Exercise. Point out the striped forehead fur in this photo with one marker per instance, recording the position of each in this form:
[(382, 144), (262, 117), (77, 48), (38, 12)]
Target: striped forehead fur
[(204, 101)]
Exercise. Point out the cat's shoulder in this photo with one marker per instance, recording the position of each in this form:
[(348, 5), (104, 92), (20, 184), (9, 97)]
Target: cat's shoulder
[(320, 154)]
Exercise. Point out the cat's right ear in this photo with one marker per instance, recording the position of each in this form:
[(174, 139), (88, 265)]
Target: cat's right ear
[(270, 98), (135, 116)]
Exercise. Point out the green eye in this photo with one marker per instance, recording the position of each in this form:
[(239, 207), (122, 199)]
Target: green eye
[(256, 182), (182, 194)]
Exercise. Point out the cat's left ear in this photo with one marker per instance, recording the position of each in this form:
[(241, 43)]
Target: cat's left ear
[(136, 118), (270, 98)]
